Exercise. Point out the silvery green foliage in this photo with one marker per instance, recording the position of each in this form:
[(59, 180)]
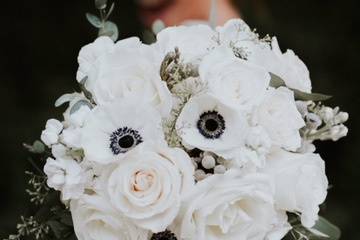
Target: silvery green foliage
[(106, 28)]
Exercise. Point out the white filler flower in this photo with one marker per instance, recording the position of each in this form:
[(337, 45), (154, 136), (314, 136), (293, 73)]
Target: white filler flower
[(148, 184), (206, 123), (231, 207), (300, 183), (234, 81), (51, 133), (113, 129), (94, 219), (280, 118), (65, 175)]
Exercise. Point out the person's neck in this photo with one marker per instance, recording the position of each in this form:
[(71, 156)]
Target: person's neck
[(225, 11)]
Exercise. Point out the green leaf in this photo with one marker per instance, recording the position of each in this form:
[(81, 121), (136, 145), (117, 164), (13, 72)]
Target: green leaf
[(303, 96), (100, 4), (277, 82), (111, 9), (37, 147), (94, 20), (327, 228), (87, 94), (110, 29), (157, 26), (78, 105)]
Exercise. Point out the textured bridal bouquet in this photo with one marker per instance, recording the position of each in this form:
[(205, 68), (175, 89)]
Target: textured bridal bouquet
[(205, 134)]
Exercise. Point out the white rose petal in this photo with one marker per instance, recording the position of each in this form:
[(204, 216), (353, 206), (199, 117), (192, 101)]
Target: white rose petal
[(230, 206), (301, 183), (234, 81), (193, 42), (94, 219), (148, 184), (127, 68), (280, 118), (237, 35)]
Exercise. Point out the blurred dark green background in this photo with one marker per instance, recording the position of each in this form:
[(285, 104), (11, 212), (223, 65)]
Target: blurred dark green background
[(40, 40)]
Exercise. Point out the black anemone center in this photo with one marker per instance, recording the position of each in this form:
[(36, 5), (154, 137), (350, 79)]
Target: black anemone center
[(166, 235), (123, 139), (211, 124), (126, 141)]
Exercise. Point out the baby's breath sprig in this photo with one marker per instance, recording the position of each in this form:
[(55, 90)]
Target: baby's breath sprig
[(30, 227), (173, 70), (322, 122), (169, 125), (38, 190)]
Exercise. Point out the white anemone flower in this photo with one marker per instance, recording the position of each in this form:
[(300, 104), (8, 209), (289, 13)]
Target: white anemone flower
[(115, 128), (206, 123), (234, 81)]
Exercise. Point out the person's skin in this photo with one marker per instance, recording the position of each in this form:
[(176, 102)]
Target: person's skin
[(175, 12)]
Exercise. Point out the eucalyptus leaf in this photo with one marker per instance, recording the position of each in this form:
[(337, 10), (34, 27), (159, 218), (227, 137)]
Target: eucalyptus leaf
[(64, 99), (57, 228), (276, 81), (110, 29), (37, 147), (79, 104), (111, 9), (157, 26), (87, 94), (94, 20), (100, 4), (299, 95), (327, 228)]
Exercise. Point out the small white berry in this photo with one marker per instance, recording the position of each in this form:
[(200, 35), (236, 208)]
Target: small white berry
[(219, 169), (208, 162), (199, 175)]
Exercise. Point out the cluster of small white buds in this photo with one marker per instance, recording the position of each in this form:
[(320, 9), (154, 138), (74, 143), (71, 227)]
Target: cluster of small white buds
[(322, 122), (208, 164)]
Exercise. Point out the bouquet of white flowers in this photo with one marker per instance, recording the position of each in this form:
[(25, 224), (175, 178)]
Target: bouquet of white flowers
[(205, 134)]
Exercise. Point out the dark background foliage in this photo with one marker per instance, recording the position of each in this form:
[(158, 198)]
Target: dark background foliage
[(40, 40)]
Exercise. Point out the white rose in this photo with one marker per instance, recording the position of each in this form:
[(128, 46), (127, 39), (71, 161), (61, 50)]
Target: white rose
[(301, 183), (234, 81), (65, 175), (94, 219), (280, 118), (246, 44), (127, 67), (51, 133), (193, 42), (231, 206), (148, 184)]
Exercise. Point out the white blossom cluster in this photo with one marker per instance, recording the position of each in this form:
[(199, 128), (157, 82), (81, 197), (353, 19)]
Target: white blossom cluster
[(189, 138)]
